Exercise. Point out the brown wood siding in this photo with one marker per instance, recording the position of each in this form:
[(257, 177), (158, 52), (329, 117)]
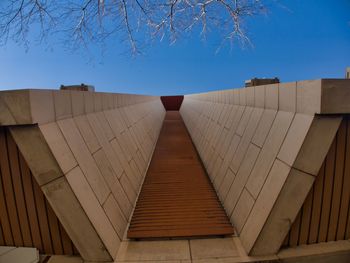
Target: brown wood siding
[(26, 218), (177, 198), (324, 215)]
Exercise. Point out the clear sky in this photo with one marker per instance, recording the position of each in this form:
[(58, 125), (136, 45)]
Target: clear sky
[(302, 39)]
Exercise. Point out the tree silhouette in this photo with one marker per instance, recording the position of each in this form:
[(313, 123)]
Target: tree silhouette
[(82, 22)]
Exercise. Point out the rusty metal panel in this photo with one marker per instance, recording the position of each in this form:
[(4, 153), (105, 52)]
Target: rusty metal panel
[(177, 198)]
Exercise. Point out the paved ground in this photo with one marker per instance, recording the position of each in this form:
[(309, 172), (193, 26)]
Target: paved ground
[(177, 198)]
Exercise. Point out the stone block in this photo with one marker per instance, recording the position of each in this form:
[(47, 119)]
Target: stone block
[(269, 152), (271, 96), (93, 210), (58, 146), (75, 221), (264, 203), (288, 96), (36, 152), (63, 104), (295, 138)]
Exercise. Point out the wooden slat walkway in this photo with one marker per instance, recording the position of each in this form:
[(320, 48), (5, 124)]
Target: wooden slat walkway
[(177, 198)]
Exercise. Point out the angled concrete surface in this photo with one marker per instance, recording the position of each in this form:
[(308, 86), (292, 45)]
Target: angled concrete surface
[(261, 146)]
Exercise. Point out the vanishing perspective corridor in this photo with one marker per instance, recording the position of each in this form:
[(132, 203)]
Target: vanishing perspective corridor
[(177, 198)]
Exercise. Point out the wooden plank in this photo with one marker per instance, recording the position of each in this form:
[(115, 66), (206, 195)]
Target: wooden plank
[(338, 181), (66, 242), (30, 204), (295, 230), (54, 230), (317, 206), (327, 193), (306, 219), (344, 206), (177, 194), (9, 192), (4, 218), (42, 217), (18, 191)]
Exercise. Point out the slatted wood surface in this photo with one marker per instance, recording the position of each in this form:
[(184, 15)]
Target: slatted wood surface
[(27, 219), (325, 214), (177, 198)]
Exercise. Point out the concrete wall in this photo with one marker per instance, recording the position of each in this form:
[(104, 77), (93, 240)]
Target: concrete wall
[(89, 153), (262, 147)]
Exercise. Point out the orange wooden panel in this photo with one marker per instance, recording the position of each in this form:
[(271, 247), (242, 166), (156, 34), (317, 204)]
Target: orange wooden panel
[(326, 208), (25, 215), (177, 198)]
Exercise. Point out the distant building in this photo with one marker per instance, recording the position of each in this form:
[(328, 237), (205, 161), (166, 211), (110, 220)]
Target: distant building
[(261, 81), (81, 87), (347, 76)]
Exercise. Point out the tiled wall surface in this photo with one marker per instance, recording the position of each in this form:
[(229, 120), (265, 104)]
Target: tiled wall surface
[(102, 144), (262, 147)]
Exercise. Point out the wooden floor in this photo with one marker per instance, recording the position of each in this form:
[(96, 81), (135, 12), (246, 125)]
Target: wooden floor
[(177, 198)]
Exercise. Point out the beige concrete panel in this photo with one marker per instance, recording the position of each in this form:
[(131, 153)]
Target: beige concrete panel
[(97, 102), (264, 127), (128, 188), (89, 102), (42, 106), (295, 138), (6, 117), (107, 101), (93, 209), (325, 252), (236, 96), (78, 104), (74, 220), (86, 131), (20, 255), (105, 125), (284, 212), (241, 178), (271, 96), (288, 96), (84, 159), (154, 251), (250, 96), (241, 212), (237, 118), (115, 121), (264, 204), (63, 104), (242, 97), (36, 152), (112, 181), (244, 121), (58, 146), (104, 142), (247, 137), (122, 198), (213, 248), (309, 96), (115, 216), (259, 98), (269, 152), (15, 107), (335, 96), (317, 143), (226, 183), (227, 160)]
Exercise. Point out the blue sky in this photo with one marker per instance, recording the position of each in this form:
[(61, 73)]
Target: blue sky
[(297, 40)]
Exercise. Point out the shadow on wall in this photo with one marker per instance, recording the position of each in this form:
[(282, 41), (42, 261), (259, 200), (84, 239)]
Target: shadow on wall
[(172, 102)]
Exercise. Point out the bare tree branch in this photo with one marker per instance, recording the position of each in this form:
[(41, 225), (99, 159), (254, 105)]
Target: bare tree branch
[(82, 22)]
